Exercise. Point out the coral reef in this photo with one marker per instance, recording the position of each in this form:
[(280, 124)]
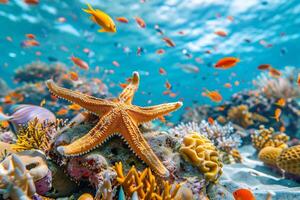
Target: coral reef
[(240, 115), (267, 137), (33, 136), (201, 152), (281, 87), (289, 160), (39, 71), (15, 181), (145, 184), (269, 155)]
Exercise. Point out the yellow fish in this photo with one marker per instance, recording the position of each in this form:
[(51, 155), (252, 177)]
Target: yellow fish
[(102, 19)]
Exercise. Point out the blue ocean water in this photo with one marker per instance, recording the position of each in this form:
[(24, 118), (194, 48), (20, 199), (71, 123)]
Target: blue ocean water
[(276, 22)]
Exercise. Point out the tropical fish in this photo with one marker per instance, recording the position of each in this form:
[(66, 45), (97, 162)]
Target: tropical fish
[(243, 194), (31, 2), (30, 36), (274, 72), (298, 79), (160, 51), (4, 1), (281, 102), (115, 63), (189, 68), (30, 43), (122, 19), (43, 102), (277, 114), (215, 96), (264, 67), (211, 121), (227, 85), (226, 63), (158, 29), (75, 107), (140, 22), (162, 71), (169, 42), (221, 33), (230, 18), (80, 63), (62, 111), (102, 19), (74, 76), (168, 85)]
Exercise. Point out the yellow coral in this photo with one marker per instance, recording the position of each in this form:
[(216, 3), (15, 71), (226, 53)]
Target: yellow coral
[(199, 150), (269, 155), (236, 155), (240, 115), (145, 184), (266, 137), (33, 136), (289, 160)]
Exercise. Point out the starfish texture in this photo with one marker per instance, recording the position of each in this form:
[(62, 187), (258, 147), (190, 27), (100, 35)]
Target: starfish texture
[(116, 116)]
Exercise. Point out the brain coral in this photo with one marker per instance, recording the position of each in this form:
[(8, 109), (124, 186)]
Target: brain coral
[(198, 150), (289, 160), (269, 155)]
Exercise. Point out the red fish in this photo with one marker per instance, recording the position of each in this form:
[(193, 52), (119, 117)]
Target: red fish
[(30, 43), (80, 63), (74, 76), (169, 42), (221, 33), (162, 71), (122, 19), (168, 85), (140, 22), (243, 194), (160, 51), (264, 67), (30, 36), (211, 121), (226, 63), (298, 79), (31, 2), (274, 72)]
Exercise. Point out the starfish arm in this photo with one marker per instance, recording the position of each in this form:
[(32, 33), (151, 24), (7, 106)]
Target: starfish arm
[(127, 94), (95, 137), (145, 114), (95, 105), (132, 135)]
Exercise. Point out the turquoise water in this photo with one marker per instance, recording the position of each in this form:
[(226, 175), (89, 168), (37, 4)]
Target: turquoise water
[(275, 21)]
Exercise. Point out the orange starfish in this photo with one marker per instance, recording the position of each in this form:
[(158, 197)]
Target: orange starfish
[(117, 116)]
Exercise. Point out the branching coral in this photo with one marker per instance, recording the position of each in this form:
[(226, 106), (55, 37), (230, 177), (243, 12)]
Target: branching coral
[(281, 87), (33, 136), (15, 181), (267, 137), (145, 184), (200, 151), (223, 137), (240, 115)]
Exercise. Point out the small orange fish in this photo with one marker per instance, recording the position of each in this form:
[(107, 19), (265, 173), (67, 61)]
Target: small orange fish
[(211, 121), (122, 19), (277, 114), (236, 83), (281, 102), (264, 67), (226, 63), (30, 43), (243, 194), (31, 2), (172, 94), (298, 79), (30, 36), (282, 129), (74, 76), (140, 22), (80, 63), (62, 111), (227, 85), (274, 73), (168, 85), (169, 42), (215, 96), (221, 33), (160, 51), (162, 71), (123, 85), (75, 107), (230, 18)]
